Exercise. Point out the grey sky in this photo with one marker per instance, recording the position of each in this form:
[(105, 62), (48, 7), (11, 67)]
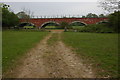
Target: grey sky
[(57, 8), (48, 0)]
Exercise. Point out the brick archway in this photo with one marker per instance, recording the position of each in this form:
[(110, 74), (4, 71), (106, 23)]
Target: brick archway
[(25, 23), (45, 23), (79, 22)]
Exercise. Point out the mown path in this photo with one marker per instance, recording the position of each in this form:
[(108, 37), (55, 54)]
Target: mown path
[(51, 61)]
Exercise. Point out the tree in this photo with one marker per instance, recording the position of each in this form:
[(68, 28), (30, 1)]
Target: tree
[(25, 14), (9, 19), (0, 16), (110, 5), (4, 6), (83, 17), (22, 15), (90, 15), (102, 15), (114, 21), (65, 25)]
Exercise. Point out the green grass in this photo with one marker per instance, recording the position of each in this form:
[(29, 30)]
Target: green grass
[(17, 43), (28, 27), (50, 27), (77, 27), (99, 49), (53, 39)]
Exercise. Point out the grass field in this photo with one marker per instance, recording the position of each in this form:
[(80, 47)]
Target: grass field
[(30, 27), (77, 27), (53, 39), (16, 43), (99, 49), (54, 27), (50, 27)]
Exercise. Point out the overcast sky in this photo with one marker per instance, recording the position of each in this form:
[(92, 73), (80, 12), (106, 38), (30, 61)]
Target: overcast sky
[(54, 8), (49, 0)]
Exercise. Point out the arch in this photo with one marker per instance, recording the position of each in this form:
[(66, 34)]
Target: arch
[(23, 24), (49, 22), (78, 22), (104, 21)]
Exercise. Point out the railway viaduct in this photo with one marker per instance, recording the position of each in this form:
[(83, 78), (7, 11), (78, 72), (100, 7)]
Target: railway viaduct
[(41, 22)]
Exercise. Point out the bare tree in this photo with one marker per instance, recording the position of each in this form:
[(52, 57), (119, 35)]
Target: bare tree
[(26, 14), (110, 5)]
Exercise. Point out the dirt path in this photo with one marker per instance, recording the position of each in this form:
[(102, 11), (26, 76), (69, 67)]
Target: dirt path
[(56, 61)]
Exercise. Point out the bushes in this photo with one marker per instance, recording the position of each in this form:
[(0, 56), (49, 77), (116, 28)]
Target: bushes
[(99, 28), (114, 21), (111, 26)]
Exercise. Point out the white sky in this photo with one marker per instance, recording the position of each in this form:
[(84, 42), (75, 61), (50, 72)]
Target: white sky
[(55, 7), (48, 0)]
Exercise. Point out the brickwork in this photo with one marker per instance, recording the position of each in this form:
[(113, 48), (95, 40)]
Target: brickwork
[(41, 21)]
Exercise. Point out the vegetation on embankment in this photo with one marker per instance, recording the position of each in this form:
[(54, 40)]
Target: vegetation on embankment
[(17, 43), (96, 28), (101, 50), (112, 25)]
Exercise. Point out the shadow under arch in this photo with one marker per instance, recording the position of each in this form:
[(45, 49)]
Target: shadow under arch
[(49, 22), (81, 23), (22, 24), (102, 22)]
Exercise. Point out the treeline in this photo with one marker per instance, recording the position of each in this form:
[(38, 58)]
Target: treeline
[(91, 15)]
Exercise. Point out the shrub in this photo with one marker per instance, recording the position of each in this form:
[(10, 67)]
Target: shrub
[(99, 28), (114, 21)]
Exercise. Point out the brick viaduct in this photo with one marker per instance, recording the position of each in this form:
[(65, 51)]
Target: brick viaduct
[(40, 22)]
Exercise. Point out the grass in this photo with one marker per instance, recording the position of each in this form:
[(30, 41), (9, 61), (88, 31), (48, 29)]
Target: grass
[(17, 43), (28, 27), (53, 39), (77, 27), (99, 49), (53, 28), (50, 27)]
